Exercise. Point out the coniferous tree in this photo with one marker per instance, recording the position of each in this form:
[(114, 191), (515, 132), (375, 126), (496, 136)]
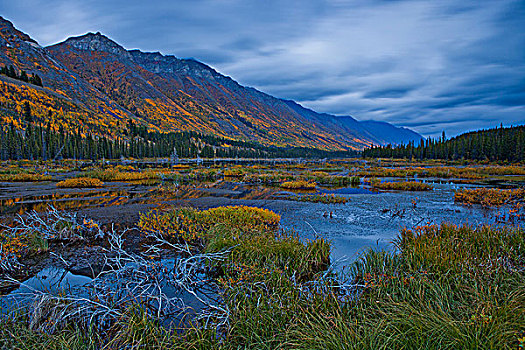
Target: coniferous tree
[(24, 77), (499, 144), (27, 112), (11, 72)]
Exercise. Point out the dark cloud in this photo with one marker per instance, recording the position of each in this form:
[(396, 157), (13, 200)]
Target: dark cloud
[(388, 93), (243, 44), (429, 65)]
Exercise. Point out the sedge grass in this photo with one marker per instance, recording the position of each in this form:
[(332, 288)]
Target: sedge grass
[(446, 287), (298, 185)]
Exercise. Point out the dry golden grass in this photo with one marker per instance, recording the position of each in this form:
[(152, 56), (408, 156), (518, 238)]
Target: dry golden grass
[(80, 182), (489, 196), (24, 177), (115, 175), (299, 185)]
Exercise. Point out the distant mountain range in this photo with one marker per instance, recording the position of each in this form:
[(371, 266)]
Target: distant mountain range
[(93, 85)]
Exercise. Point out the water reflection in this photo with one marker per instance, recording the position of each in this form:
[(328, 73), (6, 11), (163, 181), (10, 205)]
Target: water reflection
[(373, 219), (72, 199), (57, 281), (369, 218), (64, 201)]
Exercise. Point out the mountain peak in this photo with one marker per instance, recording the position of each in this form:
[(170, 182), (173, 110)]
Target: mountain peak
[(3, 20), (95, 42), (107, 83), (9, 34)]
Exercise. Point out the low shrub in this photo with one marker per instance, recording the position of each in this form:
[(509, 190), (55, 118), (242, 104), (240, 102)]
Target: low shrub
[(234, 172), (299, 185), (80, 182), (191, 225), (24, 177), (489, 196)]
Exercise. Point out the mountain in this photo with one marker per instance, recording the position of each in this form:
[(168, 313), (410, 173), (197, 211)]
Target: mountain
[(379, 133), (389, 134), (64, 100), (91, 84)]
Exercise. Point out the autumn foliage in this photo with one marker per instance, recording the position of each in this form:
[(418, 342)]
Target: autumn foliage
[(298, 185), (80, 182), (490, 196)]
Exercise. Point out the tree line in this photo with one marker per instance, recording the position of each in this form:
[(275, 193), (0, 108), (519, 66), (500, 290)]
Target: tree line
[(11, 73), (497, 144), (38, 141)]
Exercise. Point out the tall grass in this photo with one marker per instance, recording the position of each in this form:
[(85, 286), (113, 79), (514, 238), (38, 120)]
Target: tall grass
[(80, 182), (449, 287), (489, 196), (446, 287)]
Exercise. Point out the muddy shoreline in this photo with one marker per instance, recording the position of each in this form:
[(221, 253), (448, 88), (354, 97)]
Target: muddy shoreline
[(370, 219)]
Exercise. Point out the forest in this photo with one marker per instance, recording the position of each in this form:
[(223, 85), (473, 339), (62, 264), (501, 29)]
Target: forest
[(11, 73), (498, 144), (37, 141)]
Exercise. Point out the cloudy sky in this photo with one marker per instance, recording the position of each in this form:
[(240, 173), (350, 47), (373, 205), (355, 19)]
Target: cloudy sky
[(428, 65)]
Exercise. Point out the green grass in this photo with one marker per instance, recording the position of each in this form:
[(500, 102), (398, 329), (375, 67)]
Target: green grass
[(447, 287)]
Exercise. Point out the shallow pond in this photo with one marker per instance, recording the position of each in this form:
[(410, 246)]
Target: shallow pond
[(368, 219), (58, 281), (373, 219)]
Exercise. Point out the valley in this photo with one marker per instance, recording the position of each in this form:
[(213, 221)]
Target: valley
[(150, 201), (66, 234)]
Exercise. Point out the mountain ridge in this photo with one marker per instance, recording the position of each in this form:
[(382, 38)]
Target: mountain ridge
[(111, 84)]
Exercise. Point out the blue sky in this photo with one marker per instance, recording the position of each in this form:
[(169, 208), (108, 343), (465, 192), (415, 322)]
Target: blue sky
[(428, 65)]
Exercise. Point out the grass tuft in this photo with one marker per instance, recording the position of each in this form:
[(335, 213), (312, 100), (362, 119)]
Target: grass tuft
[(298, 185), (489, 196), (80, 182)]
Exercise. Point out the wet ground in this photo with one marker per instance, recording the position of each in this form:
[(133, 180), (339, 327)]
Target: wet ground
[(368, 219)]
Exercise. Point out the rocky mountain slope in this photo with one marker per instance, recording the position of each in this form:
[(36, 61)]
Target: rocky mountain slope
[(92, 84)]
